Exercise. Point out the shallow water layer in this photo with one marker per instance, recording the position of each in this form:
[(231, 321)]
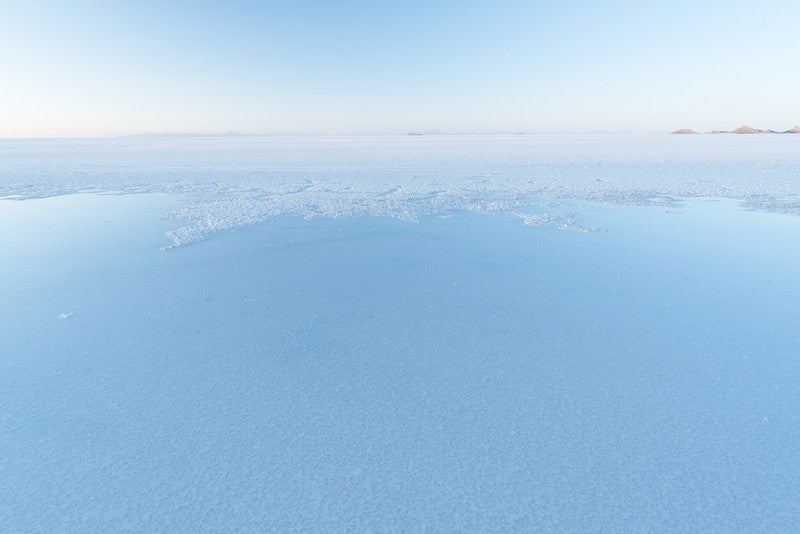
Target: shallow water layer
[(466, 373)]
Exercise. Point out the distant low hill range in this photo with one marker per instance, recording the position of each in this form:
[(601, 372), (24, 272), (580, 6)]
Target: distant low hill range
[(744, 129)]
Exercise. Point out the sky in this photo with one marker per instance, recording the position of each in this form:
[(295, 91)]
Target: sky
[(105, 68)]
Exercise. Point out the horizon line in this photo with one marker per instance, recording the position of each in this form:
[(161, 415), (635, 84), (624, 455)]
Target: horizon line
[(413, 133)]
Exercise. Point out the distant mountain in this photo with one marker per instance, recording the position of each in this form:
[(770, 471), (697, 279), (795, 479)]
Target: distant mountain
[(795, 130), (684, 131), (745, 129), (429, 132)]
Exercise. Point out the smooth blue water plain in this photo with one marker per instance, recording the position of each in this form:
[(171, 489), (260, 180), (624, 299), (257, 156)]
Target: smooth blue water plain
[(463, 373)]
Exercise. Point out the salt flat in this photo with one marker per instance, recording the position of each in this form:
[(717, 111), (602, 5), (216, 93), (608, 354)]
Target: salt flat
[(410, 356)]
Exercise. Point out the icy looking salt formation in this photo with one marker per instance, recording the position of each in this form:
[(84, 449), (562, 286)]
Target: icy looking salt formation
[(232, 182)]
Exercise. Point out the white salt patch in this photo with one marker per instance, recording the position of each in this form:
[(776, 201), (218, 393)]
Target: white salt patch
[(240, 181)]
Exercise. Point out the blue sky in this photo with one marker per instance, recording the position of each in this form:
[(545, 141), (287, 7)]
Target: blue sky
[(89, 68)]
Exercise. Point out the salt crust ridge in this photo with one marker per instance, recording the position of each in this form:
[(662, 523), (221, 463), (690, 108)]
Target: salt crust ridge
[(316, 200)]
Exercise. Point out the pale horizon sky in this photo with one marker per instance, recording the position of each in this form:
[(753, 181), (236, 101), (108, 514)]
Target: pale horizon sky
[(108, 68)]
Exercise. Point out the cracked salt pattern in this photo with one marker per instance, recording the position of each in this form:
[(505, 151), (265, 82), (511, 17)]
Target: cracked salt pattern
[(233, 182)]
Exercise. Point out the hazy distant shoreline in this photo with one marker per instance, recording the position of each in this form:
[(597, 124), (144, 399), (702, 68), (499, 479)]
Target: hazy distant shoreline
[(744, 129), (437, 133)]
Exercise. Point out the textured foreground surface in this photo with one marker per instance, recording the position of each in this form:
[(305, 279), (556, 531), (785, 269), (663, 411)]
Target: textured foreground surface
[(467, 373)]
